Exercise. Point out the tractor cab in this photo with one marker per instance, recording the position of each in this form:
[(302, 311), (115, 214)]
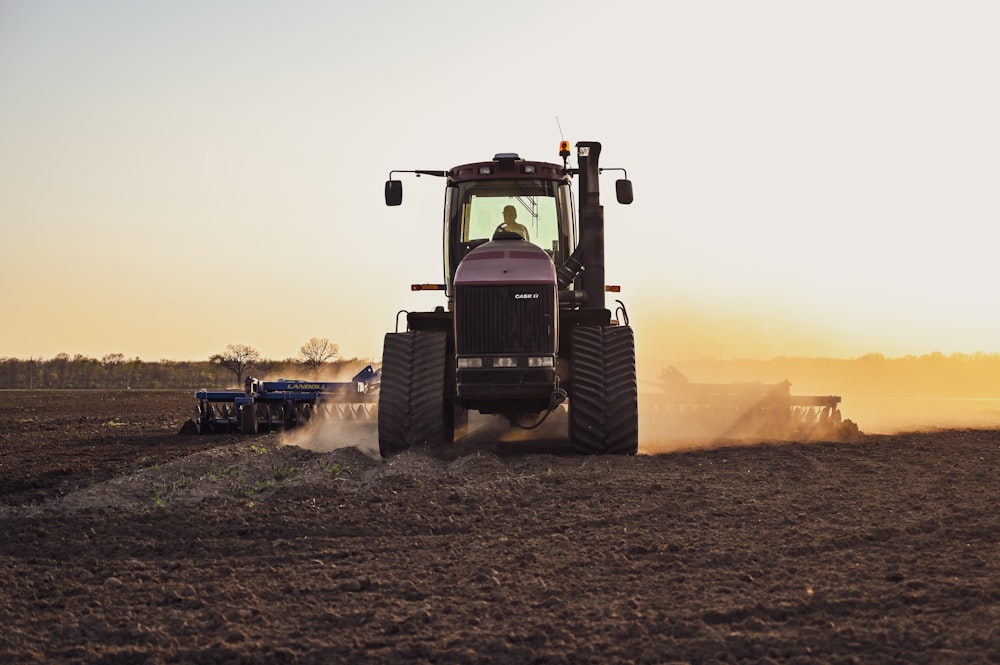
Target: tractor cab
[(490, 201)]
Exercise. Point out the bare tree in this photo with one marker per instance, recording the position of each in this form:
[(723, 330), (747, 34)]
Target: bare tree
[(110, 362), (238, 359), (316, 352)]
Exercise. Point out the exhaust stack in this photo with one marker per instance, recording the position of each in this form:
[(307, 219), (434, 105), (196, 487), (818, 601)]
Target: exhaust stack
[(591, 247)]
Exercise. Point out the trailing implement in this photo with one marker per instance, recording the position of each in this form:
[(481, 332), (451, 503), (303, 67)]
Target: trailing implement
[(267, 406), (748, 411)]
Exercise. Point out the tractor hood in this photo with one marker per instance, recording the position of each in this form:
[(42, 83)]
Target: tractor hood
[(506, 262)]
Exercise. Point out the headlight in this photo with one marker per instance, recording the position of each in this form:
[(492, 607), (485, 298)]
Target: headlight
[(470, 363), (544, 361), (505, 362)]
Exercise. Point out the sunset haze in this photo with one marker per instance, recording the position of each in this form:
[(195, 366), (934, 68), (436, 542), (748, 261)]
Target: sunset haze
[(810, 179)]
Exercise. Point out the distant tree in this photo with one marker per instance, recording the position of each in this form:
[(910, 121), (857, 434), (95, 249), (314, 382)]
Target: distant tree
[(85, 371), (238, 359), (135, 371), (60, 370), (110, 363), (316, 352)]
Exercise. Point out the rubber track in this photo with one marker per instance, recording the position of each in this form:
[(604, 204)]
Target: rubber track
[(394, 393), (587, 431), (604, 402), (621, 391), (427, 389), (411, 397)]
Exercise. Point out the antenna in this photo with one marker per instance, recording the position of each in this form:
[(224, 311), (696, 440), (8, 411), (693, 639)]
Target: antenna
[(561, 137)]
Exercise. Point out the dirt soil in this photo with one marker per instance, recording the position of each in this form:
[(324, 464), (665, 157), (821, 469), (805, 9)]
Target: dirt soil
[(125, 542)]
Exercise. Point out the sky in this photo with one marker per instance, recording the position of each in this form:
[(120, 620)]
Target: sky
[(811, 178)]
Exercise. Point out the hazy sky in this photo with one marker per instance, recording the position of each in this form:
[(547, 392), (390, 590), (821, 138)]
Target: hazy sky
[(811, 178)]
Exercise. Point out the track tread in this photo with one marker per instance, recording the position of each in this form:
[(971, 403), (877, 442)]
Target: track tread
[(604, 401), (586, 410), (622, 391), (394, 393), (427, 389), (411, 396)]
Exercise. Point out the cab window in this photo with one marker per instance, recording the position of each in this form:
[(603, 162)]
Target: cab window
[(485, 214)]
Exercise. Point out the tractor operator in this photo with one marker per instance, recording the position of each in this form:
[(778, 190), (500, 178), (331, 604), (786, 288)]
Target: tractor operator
[(510, 223)]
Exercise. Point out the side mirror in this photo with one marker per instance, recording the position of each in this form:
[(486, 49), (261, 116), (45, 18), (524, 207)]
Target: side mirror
[(393, 192), (623, 190)]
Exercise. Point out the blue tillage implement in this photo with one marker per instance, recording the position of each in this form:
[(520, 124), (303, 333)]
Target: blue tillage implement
[(266, 406)]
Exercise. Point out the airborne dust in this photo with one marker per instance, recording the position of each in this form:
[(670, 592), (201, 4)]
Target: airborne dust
[(323, 434), (880, 394), (766, 343)]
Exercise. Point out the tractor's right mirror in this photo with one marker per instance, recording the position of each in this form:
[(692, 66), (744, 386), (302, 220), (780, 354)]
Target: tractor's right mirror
[(623, 190), (393, 192)]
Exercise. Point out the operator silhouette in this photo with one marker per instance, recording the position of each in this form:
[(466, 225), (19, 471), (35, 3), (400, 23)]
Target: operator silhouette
[(510, 223)]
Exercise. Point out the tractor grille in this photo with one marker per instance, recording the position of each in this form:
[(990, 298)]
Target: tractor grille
[(504, 319)]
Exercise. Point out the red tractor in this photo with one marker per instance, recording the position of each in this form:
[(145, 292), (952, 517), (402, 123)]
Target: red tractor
[(525, 328)]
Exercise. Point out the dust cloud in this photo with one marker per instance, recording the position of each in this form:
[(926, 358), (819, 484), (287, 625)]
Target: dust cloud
[(880, 395), (343, 373), (324, 434), (328, 429)]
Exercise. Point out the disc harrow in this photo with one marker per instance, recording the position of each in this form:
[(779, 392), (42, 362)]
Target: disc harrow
[(745, 411), (268, 406)]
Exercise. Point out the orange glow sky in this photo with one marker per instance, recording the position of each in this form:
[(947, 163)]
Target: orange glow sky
[(811, 178)]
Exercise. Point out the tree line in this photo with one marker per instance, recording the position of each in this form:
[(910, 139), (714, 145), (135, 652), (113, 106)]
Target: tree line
[(227, 369)]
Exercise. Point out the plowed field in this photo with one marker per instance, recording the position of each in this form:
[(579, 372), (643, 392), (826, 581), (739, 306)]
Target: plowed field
[(125, 542)]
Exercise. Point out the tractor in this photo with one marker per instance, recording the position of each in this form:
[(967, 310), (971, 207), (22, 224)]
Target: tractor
[(525, 331)]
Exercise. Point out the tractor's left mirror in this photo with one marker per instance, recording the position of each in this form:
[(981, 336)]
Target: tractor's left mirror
[(393, 192), (623, 190)]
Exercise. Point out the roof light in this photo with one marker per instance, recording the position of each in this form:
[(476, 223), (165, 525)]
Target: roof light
[(427, 287), (485, 170), (529, 168), (564, 148)]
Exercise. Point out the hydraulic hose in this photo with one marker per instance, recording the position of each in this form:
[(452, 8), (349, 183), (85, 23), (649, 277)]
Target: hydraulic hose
[(558, 397), (567, 272)]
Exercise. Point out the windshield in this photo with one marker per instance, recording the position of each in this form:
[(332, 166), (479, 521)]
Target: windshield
[(538, 210), (533, 217)]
